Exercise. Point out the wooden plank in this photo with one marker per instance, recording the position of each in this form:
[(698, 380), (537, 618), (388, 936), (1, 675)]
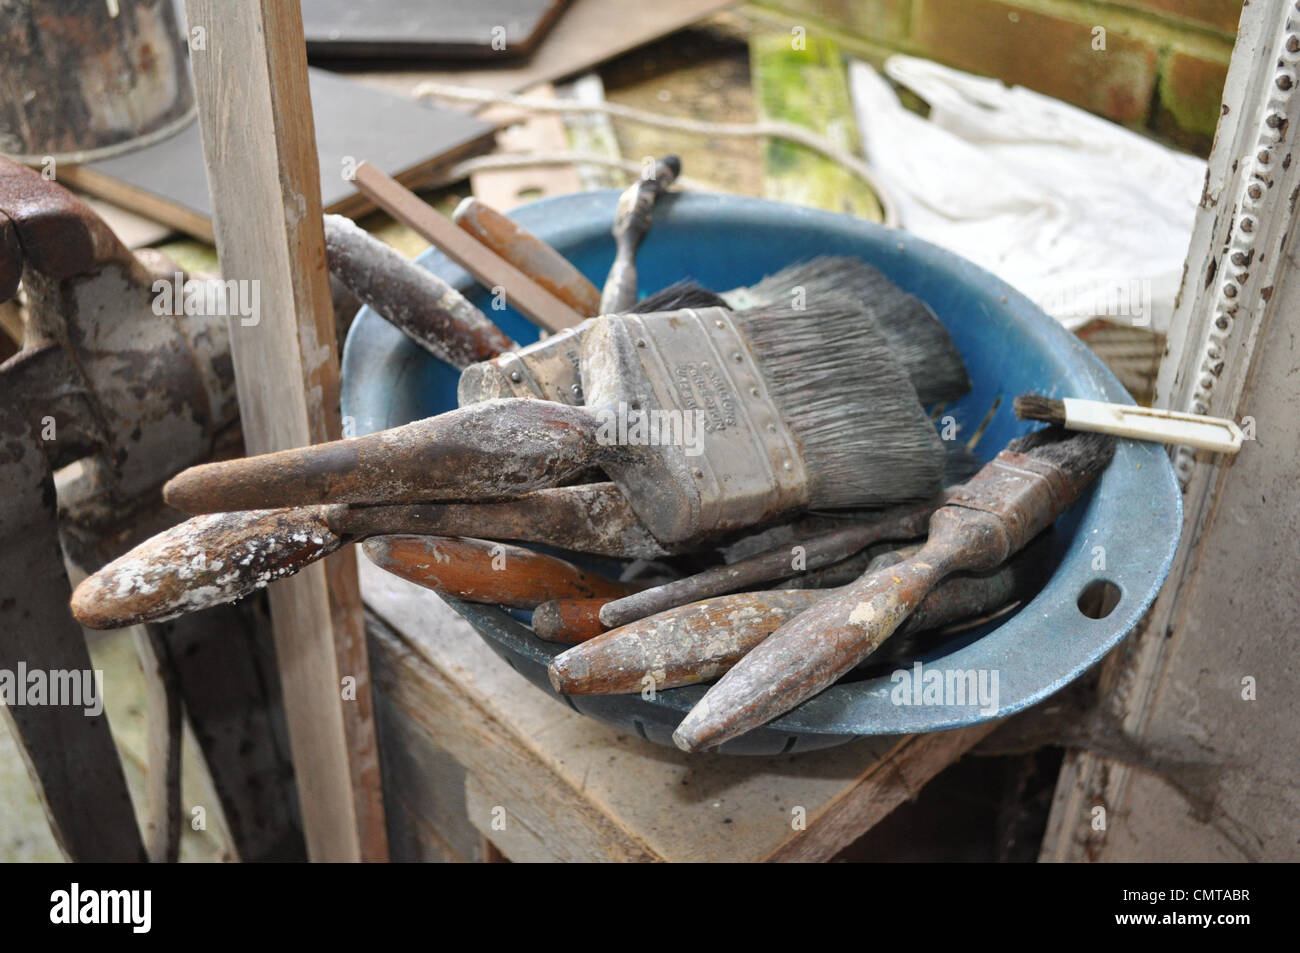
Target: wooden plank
[(259, 145), (592, 133), (808, 86), (521, 292), (573, 789), (166, 181), (433, 29), (162, 826)]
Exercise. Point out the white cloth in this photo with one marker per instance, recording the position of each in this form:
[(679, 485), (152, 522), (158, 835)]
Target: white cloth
[(1085, 217)]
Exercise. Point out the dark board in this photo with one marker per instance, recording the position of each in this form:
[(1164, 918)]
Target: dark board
[(426, 28), (167, 181)]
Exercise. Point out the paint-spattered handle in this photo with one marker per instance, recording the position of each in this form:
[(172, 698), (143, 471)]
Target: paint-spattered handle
[(203, 562), (536, 259), (631, 222), (808, 653), (683, 646), (480, 570), (424, 307), (498, 449)]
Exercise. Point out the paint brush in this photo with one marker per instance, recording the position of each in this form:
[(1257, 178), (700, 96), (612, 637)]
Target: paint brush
[(699, 642), (801, 556), (812, 552), (423, 306), (484, 571), (1126, 420), (490, 270), (801, 410), (532, 256), (220, 557), (1013, 498), (632, 221), (917, 339)]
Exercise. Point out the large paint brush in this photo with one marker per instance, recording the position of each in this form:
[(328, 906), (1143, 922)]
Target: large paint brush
[(220, 557), (790, 411), (1013, 498), (699, 642), (550, 369), (916, 338)]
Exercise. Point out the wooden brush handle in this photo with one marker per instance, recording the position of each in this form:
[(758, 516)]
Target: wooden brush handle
[(493, 450), (420, 304), (523, 294), (204, 562), (536, 259), (568, 620), (699, 642), (480, 570), (631, 222), (821, 644), (824, 549)]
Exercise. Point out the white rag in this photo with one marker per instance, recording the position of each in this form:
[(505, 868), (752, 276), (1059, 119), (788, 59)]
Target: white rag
[(1088, 219)]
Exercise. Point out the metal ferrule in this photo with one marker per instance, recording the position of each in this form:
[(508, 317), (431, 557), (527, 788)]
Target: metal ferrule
[(742, 465)]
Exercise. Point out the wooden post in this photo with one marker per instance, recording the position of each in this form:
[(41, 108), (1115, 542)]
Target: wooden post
[(260, 149)]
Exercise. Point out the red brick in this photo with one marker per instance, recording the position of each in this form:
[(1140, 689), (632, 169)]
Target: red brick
[(1218, 14), (1191, 90), (1046, 53)]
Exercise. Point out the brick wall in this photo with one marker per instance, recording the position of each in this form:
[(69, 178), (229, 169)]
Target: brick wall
[(1151, 64)]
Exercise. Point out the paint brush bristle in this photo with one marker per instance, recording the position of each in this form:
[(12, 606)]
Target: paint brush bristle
[(918, 339), (1037, 407), (865, 437), (1080, 453), (681, 294)]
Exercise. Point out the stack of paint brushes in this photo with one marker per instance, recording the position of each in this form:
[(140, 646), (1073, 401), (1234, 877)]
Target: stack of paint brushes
[(683, 430)]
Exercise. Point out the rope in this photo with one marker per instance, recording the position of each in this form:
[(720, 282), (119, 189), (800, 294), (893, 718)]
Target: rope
[(764, 129)]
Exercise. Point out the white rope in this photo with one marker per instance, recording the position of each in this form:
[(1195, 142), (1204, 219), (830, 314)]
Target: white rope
[(516, 160), (764, 129)]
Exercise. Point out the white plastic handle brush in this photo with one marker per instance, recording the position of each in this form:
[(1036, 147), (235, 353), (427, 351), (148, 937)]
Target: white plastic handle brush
[(1140, 423)]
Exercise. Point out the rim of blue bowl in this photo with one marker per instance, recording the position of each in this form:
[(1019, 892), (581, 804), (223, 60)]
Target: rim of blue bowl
[(1114, 516)]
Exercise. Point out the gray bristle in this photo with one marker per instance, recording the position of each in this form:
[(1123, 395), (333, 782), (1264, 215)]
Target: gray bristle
[(864, 435), (1037, 407), (682, 294), (920, 342), (1074, 450), (959, 464)]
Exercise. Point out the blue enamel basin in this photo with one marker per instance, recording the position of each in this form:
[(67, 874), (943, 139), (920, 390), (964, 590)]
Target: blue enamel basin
[(1124, 532)]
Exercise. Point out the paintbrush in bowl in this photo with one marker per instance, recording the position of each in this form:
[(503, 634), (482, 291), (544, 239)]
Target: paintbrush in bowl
[(1012, 499)]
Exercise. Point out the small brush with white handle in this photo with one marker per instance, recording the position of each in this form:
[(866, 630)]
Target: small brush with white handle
[(1140, 423)]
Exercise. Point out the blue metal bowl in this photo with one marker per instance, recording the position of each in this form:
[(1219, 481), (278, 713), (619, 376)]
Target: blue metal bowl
[(1123, 532)]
